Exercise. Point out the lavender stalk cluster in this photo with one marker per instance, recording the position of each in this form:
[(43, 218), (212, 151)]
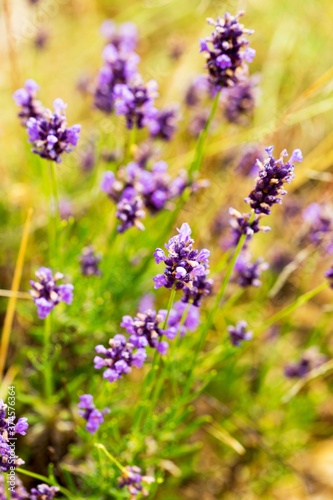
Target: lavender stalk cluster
[(89, 412), (183, 263), (26, 98), (118, 358), (50, 134), (227, 51), (242, 224), (47, 294), (136, 189), (89, 261), (248, 273), (18, 491), (240, 101), (239, 333), (132, 478), (8, 431), (269, 184), (145, 330), (44, 492)]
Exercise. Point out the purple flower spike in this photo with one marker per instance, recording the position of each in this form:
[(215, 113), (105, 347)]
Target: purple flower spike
[(247, 272), (144, 329), (269, 184), (89, 262), (136, 102), (47, 294), (183, 264), (89, 412), (50, 134), (43, 492), (119, 358), (227, 51), (164, 123), (21, 426), (26, 99), (131, 478), (239, 333)]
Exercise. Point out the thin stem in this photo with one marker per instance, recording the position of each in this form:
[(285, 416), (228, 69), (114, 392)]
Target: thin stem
[(46, 480), (114, 460), (50, 226), (170, 304), (303, 299), (18, 295), (46, 355), (200, 149), (217, 302), (54, 186)]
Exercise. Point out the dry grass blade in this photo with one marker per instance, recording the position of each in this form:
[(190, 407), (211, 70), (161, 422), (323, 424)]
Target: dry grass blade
[(12, 300), (222, 435)]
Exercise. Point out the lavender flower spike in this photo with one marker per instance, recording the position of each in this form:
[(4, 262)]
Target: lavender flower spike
[(89, 262), (269, 184), (227, 51), (26, 98), (8, 429), (119, 358), (50, 135), (132, 478), (47, 294), (144, 330), (43, 492), (90, 413), (239, 333), (183, 263)]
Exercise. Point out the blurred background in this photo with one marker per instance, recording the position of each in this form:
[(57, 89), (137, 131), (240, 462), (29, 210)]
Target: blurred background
[(257, 447)]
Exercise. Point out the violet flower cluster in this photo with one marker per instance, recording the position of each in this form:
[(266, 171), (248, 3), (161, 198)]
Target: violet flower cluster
[(8, 430), (183, 263), (17, 489), (132, 478), (47, 294), (43, 492), (248, 273), (136, 189), (241, 224), (89, 261), (50, 134), (227, 51), (269, 184), (145, 330), (90, 413), (118, 358), (26, 98), (309, 360), (239, 333), (239, 101)]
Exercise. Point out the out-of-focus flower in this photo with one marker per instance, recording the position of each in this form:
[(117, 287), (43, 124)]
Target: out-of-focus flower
[(329, 276), (90, 413), (201, 287), (240, 224), (144, 330), (199, 89), (8, 429), (248, 273), (239, 333), (47, 294), (124, 37), (119, 67), (227, 51), (164, 123), (198, 123), (309, 360), (247, 164), (269, 184), (240, 101), (43, 492), (41, 38), (319, 219), (132, 478), (20, 492), (129, 212), (190, 323), (87, 158), (183, 263), (50, 135), (65, 209), (119, 358), (89, 262), (136, 102), (26, 98)]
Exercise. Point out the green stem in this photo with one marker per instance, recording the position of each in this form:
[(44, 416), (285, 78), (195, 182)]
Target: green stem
[(47, 368), (200, 149), (131, 141), (47, 195), (46, 480), (170, 304), (114, 460), (303, 299), (217, 302), (54, 185)]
